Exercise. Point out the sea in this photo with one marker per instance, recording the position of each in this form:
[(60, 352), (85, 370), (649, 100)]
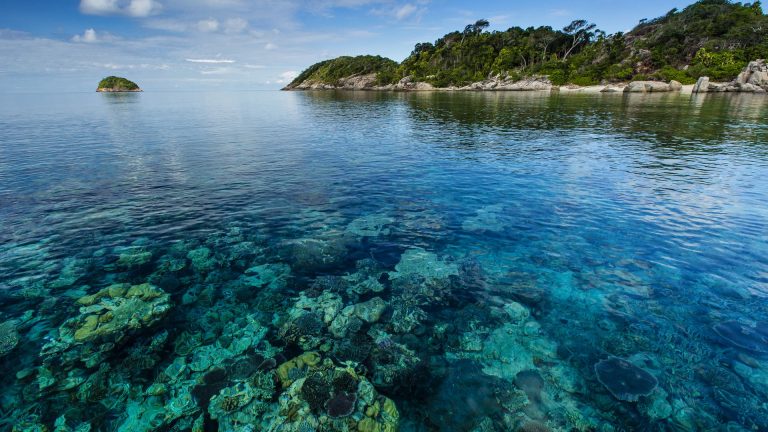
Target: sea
[(380, 262)]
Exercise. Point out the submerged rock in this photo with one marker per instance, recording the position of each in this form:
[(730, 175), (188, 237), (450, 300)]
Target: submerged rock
[(371, 310), (335, 396), (373, 225), (106, 319), (9, 336), (134, 258), (314, 254), (488, 218), (241, 404), (273, 276), (624, 380), (464, 397), (201, 259), (424, 263), (739, 335)]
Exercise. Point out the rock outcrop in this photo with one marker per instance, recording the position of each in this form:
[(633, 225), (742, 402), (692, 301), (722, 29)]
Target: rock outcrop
[(702, 85), (753, 79), (755, 74), (369, 82), (504, 83), (354, 82), (652, 87)]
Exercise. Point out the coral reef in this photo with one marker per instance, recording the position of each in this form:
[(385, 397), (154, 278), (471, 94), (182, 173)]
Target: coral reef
[(9, 336), (106, 318), (331, 396), (371, 225), (308, 332), (624, 380), (742, 336)]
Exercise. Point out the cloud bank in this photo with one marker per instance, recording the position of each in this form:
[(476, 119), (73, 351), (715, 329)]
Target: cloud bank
[(132, 8)]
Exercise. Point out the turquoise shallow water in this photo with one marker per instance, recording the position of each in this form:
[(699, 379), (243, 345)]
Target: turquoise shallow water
[(369, 261)]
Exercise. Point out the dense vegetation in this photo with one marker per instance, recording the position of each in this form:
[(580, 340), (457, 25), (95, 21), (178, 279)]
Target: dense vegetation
[(330, 71), (714, 38), (117, 83)]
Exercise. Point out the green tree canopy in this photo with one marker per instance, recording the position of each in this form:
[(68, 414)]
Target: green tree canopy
[(118, 83), (716, 38)]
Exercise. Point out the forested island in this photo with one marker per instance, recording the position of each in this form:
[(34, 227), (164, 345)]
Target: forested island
[(114, 84), (716, 39)]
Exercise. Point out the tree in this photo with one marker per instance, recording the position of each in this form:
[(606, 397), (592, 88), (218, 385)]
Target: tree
[(476, 28), (580, 32), (542, 38), (480, 25), (422, 47)]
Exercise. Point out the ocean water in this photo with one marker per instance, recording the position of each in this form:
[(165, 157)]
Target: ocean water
[(378, 262)]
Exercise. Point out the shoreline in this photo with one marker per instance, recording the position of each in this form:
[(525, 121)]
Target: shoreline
[(752, 79), (566, 89)]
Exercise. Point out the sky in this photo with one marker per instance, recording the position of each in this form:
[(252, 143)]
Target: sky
[(69, 45)]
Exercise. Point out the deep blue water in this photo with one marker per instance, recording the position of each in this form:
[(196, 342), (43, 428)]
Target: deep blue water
[(519, 262)]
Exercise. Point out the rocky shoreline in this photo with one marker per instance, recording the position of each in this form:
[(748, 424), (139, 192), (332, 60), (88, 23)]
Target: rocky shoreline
[(753, 79)]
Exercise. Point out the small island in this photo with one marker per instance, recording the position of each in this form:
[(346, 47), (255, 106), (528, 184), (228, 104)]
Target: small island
[(113, 84)]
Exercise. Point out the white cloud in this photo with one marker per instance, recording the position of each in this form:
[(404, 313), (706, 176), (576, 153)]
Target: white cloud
[(99, 7), (133, 8), (218, 71), (405, 11), (171, 25), (117, 66), (208, 25), (270, 46), (141, 8), (235, 25), (210, 61), (402, 11), (88, 37), (92, 36), (253, 66), (287, 77), (13, 34)]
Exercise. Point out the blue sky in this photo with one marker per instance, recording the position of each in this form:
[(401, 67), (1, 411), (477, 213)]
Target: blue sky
[(249, 44)]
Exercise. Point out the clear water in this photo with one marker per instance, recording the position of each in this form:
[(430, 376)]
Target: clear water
[(502, 246)]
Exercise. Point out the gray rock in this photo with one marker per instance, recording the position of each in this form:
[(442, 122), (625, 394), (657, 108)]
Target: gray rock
[(611, 89), (753, 79), (756, 74), (371, 310), (750, 88), (408, 83), (702, 85), (648, 87)]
